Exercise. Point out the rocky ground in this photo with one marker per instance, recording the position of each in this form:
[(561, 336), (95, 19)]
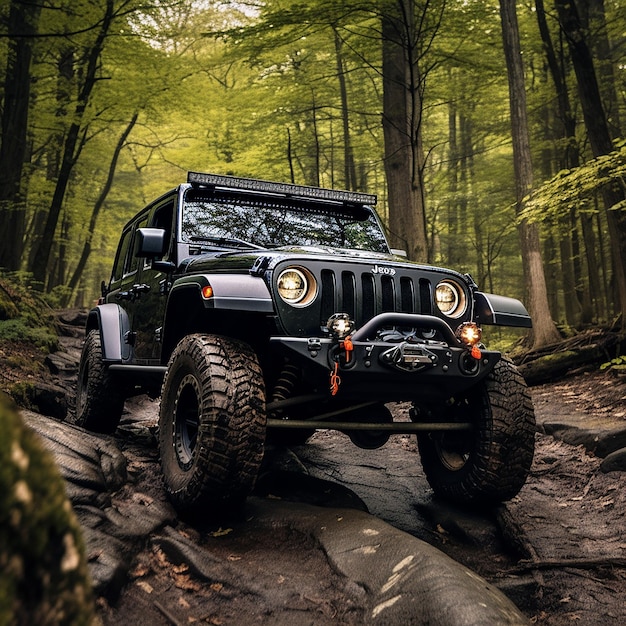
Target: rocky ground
[(557, 549)]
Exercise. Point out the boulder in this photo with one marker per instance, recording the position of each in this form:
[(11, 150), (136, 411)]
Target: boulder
[(614, 462)]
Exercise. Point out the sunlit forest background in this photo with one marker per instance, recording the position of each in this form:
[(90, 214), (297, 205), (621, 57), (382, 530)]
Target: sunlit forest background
[(106, 104)]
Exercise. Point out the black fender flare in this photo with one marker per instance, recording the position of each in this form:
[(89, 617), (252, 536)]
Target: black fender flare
[(500, 311), (236, 292), (113, 323)]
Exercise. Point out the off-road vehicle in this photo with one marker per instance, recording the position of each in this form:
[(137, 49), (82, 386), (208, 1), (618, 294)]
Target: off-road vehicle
[(268, 310)]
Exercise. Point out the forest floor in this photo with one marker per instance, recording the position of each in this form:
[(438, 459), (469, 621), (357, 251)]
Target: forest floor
[(557, 549)]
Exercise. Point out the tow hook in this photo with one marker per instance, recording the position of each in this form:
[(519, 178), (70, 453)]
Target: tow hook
[(409, 357)]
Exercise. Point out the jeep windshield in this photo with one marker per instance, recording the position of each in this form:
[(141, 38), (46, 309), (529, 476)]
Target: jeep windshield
[(229, 219)]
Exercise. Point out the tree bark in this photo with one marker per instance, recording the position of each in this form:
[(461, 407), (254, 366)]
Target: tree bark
[(349, 170), (544, 329), (23, 23), (70, 151), (599, 137), (453, 248), (404, 157), (606, 66), (78, 271)]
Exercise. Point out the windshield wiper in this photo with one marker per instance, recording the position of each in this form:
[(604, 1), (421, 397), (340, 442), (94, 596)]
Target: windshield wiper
[(226, 241)]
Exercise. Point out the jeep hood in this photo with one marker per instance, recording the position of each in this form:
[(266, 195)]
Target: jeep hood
[(243, 260)]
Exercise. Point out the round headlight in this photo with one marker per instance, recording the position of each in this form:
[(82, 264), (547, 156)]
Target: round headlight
[(296, 286), (450, 298)]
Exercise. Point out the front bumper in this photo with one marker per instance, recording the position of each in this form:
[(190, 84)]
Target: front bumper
[(370, 367)]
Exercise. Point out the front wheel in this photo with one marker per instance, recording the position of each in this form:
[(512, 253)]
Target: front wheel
[(491, 463), (99, 397), (212, 423)]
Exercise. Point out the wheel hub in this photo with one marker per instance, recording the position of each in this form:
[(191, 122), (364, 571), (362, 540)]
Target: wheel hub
[(186, 420)]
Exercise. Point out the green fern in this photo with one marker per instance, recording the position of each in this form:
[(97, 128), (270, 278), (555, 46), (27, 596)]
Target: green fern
[(617, 364)]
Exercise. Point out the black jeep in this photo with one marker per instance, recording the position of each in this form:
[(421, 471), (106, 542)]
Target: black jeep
[(260, 309)]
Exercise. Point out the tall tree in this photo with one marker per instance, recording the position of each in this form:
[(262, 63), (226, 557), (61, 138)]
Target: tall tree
[(73, 283), (402, 127), (23, 24), (576, 304), (599, 138), (544, 329), (348, 168), (72, 146)]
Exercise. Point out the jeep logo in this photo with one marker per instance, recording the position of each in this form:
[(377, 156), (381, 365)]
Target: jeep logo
[(389, 271)]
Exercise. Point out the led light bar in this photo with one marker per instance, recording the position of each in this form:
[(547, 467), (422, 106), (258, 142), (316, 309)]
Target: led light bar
[(287, 189)]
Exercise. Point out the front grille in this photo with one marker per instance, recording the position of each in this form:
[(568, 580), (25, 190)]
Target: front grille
[(362, 290), (362, 295)]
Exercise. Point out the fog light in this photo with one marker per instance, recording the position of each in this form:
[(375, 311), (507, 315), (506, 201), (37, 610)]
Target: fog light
[(340, 325), (469, 333)]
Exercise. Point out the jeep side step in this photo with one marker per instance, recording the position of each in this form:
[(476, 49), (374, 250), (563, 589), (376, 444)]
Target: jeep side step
[(151, 370)]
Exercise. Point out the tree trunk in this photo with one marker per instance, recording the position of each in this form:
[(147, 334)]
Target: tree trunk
[(402, 132), (23, 22), (599, 138), (544, 330), (349, 170), (453, 247), (574, 296), (593, 264), (313, 173), (292, 173), (606, 66), (78, 272), (70, 151)]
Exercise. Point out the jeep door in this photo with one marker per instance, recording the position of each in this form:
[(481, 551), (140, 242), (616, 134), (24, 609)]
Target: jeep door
[(124, 279), (152, 289)]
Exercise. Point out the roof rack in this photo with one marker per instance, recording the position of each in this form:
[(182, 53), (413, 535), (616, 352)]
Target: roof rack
[(287, 189)]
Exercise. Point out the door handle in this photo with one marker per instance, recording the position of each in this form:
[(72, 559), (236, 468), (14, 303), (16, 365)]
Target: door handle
[(140, 288)]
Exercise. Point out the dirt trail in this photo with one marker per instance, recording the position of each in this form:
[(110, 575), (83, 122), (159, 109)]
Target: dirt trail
[(557, 549)]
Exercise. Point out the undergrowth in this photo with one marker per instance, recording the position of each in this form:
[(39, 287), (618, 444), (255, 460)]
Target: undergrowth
[(25, 315)]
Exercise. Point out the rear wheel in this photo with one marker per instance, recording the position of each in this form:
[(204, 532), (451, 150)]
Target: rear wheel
[(99, 397), (490, 463), (212, 423)]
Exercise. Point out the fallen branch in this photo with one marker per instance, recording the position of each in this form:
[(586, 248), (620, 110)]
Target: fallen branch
[(528, 565), (170, 617)]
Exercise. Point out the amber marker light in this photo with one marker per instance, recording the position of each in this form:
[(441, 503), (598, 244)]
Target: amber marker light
[(340, 325), (469, 333), (207, 292)]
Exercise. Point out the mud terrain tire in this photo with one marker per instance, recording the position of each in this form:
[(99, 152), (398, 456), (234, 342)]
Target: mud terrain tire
[(491, 463), (212, 423), (99, 398)]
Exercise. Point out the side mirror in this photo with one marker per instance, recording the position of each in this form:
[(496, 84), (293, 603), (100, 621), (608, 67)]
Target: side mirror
[(150, 243)]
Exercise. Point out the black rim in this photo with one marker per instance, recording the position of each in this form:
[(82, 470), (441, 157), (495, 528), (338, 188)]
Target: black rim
[(81, 391), (186, 420), (454, 449)]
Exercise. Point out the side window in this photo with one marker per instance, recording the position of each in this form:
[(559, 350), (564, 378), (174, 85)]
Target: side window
[(122, 254), (126, 262), (134, 262), (163, 217)]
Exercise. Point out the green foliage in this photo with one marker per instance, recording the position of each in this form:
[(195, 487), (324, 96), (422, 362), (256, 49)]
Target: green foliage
[(255, 91), (577, 188), (25, 316), (21, 330), (617, 365)]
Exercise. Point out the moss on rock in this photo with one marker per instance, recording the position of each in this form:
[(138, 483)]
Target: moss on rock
[(24, 316), (44, 578)]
